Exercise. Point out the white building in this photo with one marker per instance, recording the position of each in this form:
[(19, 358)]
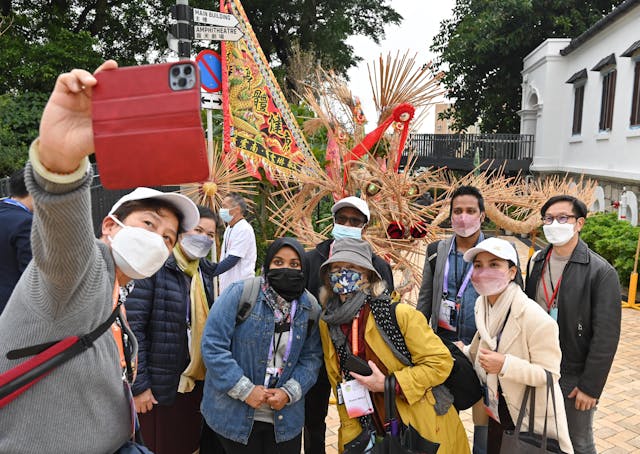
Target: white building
[(581, 99)]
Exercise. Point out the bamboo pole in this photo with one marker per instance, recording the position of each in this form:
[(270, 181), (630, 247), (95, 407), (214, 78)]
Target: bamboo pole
[(633, 282)]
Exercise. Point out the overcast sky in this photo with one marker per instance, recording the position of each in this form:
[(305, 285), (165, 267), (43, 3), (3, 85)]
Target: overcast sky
[(421, 22)]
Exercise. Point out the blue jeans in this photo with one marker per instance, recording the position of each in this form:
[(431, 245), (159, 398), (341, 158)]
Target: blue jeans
[(580, 422)]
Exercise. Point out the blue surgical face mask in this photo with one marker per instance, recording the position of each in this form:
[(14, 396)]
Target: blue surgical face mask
[(341, 232), (225, 215), (345, 281)]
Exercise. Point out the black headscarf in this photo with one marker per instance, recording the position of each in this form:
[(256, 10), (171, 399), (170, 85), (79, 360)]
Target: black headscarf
[(287, 283), (278, 244)]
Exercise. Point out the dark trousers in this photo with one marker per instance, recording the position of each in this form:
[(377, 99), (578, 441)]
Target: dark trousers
[(580, 422), (316, 406), (209, 441), (175, 428), (262, 441)]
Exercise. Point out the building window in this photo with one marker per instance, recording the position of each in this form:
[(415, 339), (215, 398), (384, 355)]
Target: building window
[(578, 103), (608, 97), (635, 101), (579, 81)]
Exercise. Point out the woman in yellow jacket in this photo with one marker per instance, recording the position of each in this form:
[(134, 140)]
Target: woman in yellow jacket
[(357, 331)]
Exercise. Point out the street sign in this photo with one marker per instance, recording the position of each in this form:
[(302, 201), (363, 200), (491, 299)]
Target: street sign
[(205, 16), (210, 66), (211, 100), (207, 32)]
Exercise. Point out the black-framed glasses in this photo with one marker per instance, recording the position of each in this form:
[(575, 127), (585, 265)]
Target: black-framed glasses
[(352, 221), (562, 219)]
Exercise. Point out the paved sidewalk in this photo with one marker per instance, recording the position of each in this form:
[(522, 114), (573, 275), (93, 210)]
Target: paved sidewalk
[(617, 421)]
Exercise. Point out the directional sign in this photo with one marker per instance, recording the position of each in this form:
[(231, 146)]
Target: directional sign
[(210, 67), (208, 33), (211, 100), (205, 16)]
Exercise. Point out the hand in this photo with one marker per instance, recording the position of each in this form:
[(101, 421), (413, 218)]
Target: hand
[(491, 361), (584, 401), (374, 382), (66, 132), (257, 397), (460, 345), (276, 398), (144, 401)]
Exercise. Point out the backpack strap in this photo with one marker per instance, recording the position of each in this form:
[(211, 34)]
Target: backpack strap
[(250, 290), (432, 254)]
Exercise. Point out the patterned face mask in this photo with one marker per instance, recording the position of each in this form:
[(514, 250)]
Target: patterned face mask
[(345, 281)]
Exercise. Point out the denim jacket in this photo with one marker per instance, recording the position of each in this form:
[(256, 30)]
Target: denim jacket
[(236, 358)]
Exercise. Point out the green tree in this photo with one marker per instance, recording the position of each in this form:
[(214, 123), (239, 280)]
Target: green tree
[(318, 26), (482, 46)]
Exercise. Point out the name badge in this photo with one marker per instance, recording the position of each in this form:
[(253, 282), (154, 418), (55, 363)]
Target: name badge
[(554, 313), (356, 398), (448, 315)]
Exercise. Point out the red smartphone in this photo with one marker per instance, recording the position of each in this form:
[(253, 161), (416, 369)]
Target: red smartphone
[(147, 128)]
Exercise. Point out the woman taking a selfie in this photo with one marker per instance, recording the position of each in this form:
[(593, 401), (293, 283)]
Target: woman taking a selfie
[(361, 330), (515, 344), (260, 368)]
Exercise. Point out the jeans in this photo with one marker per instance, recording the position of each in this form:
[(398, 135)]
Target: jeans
[(580, 422)]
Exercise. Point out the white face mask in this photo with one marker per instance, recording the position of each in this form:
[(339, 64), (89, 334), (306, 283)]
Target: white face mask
[(558, 234), (340, 232), (138, 253), (465, 225), (196, 246)]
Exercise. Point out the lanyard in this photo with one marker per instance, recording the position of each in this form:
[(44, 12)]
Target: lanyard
[(465, 282), (355, 341), (287, 350), (554, 294), (17, 204), (128, 364)]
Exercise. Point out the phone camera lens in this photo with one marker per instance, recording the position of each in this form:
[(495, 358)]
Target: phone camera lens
[(182, 82), (175, 71), (187, 70)]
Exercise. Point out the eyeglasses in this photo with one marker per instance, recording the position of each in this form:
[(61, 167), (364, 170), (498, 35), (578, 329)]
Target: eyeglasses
[(562, 219), (348, 220)]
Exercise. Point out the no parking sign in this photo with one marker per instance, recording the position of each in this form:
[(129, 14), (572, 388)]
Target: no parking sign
[(210, 67)]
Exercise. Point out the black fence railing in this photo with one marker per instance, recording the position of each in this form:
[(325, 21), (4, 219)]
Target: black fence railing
[(465, 146)]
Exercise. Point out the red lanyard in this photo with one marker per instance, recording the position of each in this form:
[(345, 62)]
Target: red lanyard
[(354, 336), (544, 284)]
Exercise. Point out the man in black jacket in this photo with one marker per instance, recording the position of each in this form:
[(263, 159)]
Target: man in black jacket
[(581, 291), (351, 216)]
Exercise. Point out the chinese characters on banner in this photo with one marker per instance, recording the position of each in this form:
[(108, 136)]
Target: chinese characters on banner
[(258, 124)]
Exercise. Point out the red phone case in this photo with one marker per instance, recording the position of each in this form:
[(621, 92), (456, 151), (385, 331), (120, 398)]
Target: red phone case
[(145, 133)]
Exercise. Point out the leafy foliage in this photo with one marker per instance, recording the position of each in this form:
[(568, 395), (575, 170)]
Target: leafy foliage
[(483, 45), (614, 240)]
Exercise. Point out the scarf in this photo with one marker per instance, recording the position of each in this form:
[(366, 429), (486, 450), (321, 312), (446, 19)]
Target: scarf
[(280, 306), (199, 312), (489, 334)]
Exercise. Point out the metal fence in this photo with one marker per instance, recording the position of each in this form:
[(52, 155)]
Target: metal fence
[(465, 146)]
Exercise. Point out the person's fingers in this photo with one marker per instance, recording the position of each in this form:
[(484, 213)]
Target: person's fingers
[(76, 80), (107, 65), (573, 393)]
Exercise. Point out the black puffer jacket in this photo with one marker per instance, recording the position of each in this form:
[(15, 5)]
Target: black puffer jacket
[(589, 314), (320, 254), (157, 314)]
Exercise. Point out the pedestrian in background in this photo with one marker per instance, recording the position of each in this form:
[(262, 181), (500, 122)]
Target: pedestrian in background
[(16, 214), (239, 253)]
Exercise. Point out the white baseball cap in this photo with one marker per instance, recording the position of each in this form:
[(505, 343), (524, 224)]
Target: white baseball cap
[(188, 209), (353, 202), (496, 246)]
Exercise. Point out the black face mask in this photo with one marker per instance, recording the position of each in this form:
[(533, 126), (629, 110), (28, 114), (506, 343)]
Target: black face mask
[(287, 282)]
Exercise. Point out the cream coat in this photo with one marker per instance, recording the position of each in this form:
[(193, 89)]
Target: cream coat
[(530, 341), (432, 366)]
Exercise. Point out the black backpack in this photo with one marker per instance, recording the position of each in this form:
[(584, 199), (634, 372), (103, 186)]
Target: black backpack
[(463, 382)]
